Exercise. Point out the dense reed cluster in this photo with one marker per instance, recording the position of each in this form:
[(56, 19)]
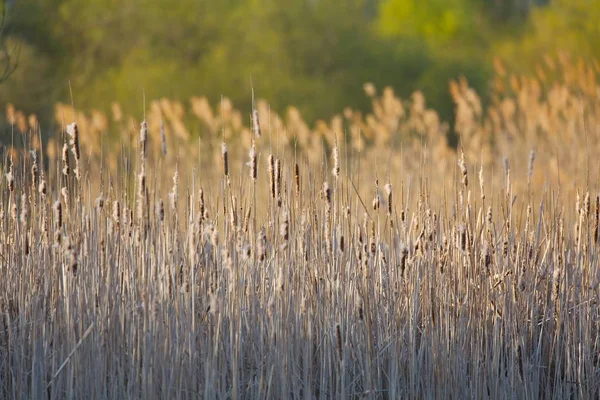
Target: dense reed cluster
[(256, 272)]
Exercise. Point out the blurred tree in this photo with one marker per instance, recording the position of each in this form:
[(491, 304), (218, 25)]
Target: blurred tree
[(8, 56)]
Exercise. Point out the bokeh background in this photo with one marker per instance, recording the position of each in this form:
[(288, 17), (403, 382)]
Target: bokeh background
[(314, 55)]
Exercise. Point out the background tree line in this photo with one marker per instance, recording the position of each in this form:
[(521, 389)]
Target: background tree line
[(314, 54)]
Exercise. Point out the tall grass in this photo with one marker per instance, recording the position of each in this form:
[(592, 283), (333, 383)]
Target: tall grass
[(267, 275)]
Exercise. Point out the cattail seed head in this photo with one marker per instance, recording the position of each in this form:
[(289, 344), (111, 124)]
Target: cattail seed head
[(252, 163), (272, 175), (388, 189), (10, 179), (116, 213), (161, 211), (65, 159), (58, 213), (224, 155), (278, 181), (327, 192), (261, 245), (73, 132), (297, 179), (336, 163), (463, 169), (143, 138), (34, 168)]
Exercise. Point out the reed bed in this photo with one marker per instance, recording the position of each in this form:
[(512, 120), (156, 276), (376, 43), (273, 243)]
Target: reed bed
[(278, 279), (262, 271)]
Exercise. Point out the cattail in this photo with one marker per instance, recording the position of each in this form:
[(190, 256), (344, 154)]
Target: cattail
[(201, 204), (34, 168), (163, 139), (272, 175), (261, 245), (42, 186), (376, 201), (73, 132), (388, 189), (341, 244), (65, 159), (278, 181), (488, 216), (530, 166), (463, 169), (141, 192), (161, 211), (58, 213), (462, 237), (597, 219), (252, 163), (10, 178), (116, 213), (338, 335), (297, 179), (143, 138), (65, 194), (100, 202), (255, 123), (336, 163), (586, 205), (284, 229), (487, 259), (225, 159), (174, 195), (327, 193), (403, 258)]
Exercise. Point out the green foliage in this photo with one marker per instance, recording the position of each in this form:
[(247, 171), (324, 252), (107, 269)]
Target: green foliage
[(314, 54)]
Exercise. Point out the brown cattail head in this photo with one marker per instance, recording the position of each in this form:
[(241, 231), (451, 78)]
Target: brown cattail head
[(73, 132), (336, 163), (10, 178), (284, 229), (65, 160), (261, 245), (116, 213), (252, 163), (463, 169), (34, 168), (597, 219), (278, 181), (161, 211), (327, 193), (297, 179), (403, 258), (201, 204), (272, 175), (174, 195), (143, 138), (224, 155), (388, 189), (58, 213)]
